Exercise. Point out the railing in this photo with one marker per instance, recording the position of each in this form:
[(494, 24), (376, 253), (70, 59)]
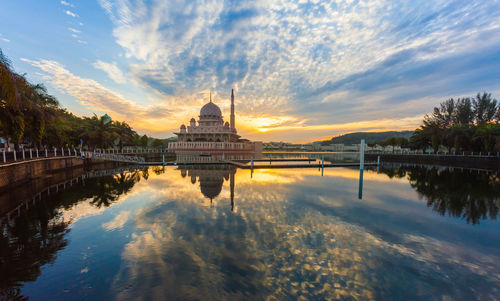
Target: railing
[(9, 156), (117, 158), (438, 153), (31, 154)]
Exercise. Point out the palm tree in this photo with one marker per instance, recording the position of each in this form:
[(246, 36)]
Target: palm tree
[(99, 131), (125, 133)]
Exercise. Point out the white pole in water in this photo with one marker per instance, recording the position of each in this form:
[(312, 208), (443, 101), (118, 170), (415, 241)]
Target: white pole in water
[(37, 152), (251, 163), (4, 156), (163, 160), (15, 159), (362, 155), (62, 151), (46, 152), (31, 153), (378, 160), (55, 151)]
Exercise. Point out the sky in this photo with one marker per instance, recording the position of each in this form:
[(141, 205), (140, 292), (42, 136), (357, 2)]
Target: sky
[(301, 70)]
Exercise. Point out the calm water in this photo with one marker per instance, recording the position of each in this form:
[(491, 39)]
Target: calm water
[(211, 232)]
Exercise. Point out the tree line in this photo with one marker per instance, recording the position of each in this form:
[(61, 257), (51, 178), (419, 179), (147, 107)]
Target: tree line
[(464, 124), (32, 117)]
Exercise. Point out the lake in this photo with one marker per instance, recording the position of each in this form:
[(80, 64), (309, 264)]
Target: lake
[(216, 232)]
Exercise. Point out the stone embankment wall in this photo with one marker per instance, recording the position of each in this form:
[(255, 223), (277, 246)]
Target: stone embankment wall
[(12, 174), (482, 162), (25, 191), (18, 173)]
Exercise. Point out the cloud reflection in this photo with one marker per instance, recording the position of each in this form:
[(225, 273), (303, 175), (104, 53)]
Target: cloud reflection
[(278, 245)]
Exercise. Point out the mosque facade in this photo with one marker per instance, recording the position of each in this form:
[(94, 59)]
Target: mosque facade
[(210, 134)]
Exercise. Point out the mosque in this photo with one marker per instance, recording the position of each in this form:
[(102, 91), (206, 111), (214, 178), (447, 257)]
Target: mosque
[(211, 179), (211, 134)]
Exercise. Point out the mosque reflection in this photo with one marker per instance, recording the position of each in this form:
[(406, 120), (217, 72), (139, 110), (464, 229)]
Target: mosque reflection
[(39, 234), (211, 179)]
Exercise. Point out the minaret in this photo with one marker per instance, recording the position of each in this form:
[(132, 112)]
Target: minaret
[(231, 187), (233, 126)]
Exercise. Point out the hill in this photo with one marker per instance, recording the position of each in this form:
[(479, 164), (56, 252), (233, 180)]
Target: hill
[(370, 137)]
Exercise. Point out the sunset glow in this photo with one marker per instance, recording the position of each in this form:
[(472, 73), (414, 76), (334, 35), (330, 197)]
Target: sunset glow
[(300, 70)]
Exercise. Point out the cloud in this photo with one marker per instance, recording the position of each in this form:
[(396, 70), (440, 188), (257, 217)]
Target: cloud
[(4, 39), (96, 97), (112, 70), (117, 222), (67, 3), (73, 30), (317, 61), (72, 14), (321, 241)]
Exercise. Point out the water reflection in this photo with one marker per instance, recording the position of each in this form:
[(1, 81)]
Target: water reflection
[(467, 194), (211, 179), (31, 240), (293, 234)]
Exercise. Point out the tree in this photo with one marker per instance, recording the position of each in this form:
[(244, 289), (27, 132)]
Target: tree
[(484, 107), (125, 133), (144, 141), (99, 131), (157, 143), (14, 101), (464, 124), (463, 112), (28, 114)]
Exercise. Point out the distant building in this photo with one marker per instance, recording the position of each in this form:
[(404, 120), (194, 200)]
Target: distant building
[(211, 134), (281, 146)]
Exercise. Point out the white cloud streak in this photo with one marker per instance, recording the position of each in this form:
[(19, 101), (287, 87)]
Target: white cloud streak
[(97, 97), (112, 70), (74, 30), (72, 14), (67, 3)]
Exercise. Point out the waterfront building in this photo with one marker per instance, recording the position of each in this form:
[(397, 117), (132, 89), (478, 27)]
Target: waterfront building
[(211, 134), (211, 179)]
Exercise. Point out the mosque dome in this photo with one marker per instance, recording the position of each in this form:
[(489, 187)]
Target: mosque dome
[(211, 188), (183, 127), (210, 109)]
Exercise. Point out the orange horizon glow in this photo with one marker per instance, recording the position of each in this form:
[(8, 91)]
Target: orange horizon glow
[(281, 128)]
